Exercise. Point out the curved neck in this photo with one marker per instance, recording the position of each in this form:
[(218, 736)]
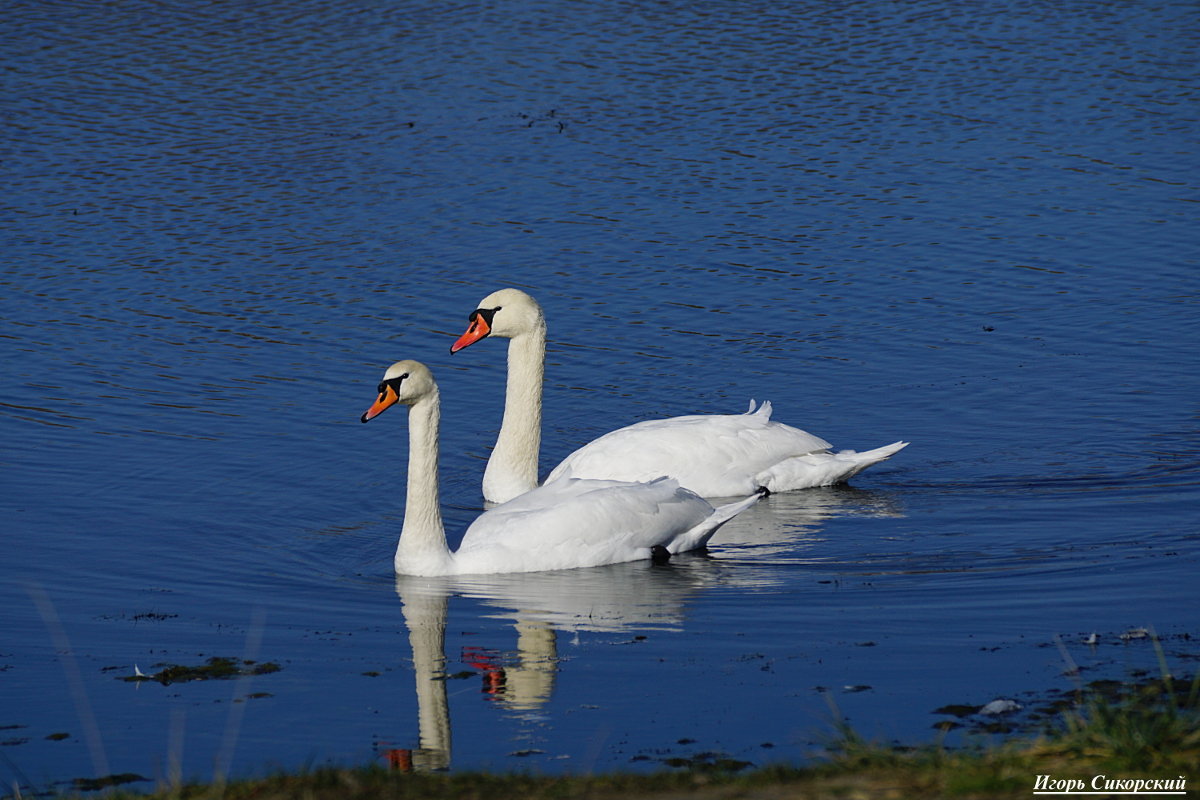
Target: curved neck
[(422, 547), (512, 468)]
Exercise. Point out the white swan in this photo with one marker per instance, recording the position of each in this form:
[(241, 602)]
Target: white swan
[(714, 455), (562, 525)]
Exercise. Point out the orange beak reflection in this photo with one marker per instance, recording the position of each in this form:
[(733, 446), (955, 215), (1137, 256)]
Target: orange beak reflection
[(387, 398), (478, 329)]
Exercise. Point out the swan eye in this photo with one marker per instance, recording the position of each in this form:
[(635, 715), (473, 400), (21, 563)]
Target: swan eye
[(393, 384)]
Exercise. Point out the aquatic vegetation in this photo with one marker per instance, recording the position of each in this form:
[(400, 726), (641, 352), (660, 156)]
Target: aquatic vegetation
[(215, 669)]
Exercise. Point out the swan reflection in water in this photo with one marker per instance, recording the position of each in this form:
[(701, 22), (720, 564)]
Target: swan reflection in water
[(620, 597), (786, 526)]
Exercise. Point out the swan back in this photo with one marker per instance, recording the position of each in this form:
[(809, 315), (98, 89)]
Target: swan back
[(581, 523), (714, 455)]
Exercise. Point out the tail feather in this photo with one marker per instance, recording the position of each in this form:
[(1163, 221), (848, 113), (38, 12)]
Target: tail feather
[(876, 455), (823, 469), (763, 409), (699, 535)]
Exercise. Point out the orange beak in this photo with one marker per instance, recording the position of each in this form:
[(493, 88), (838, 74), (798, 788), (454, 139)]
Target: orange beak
[(387, 398), (478, 329)]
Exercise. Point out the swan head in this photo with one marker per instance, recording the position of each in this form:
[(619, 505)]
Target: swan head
[(507, 313), (404, 382)]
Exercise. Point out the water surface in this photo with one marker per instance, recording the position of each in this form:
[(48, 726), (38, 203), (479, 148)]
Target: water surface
[(972, 228)]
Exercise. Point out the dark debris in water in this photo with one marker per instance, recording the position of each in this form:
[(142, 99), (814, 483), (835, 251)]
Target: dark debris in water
[(1043, 710), (216, 668), (1039, 711), (708, 762), (145, 616), (959, 710), (96, 784), (13, 742)]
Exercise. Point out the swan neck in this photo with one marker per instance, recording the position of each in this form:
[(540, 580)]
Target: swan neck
[(422, 547), (513, 466)]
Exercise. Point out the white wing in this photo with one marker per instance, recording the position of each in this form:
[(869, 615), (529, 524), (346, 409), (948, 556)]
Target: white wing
[(581, 523), (714, 455)]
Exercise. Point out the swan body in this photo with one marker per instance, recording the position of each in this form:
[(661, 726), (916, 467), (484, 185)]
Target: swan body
[(562, 525), (741, 454), (714, 455)]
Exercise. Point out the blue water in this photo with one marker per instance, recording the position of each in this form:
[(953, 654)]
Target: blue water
[(972, 227)]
